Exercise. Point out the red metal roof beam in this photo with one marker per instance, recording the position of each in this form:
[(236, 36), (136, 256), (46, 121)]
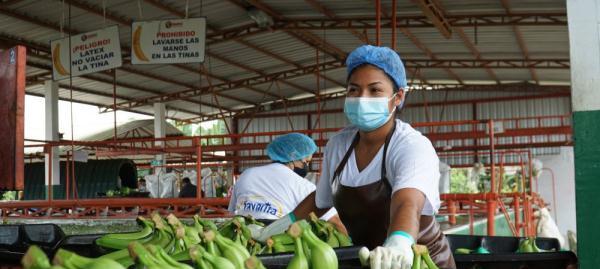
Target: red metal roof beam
[(436, 16)]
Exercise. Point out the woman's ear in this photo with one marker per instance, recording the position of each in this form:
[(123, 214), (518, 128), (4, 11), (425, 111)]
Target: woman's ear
[(399, 97)]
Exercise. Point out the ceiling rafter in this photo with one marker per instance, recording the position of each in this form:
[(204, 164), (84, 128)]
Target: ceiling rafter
[(473, 49), (330, 14), (56, 27), (178, 13), (36, 48), (36, 80), (424, 49), (368, 22), (434, 10), (332, 65), (303, 36), (520, 41), (123, 20)]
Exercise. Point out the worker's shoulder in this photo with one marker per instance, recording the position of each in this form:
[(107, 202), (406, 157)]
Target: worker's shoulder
[(407, 137), (342, 137), (263, 169)]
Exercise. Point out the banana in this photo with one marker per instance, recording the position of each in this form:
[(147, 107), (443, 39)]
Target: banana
[(71, 260), (56, 61), (462, 251), (254, 263), (137, 48), (35, 258), (104, 264), (163, 256), (121, 240), (209, 238), (143, 258), (284, 239), (422, 253), (322, 255), (201, 257), (235, 253), (207, 224), (299, 260), (332, 239), (344, 240)]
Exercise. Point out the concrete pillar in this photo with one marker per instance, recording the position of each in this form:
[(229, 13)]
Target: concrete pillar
[(160, 129), (584, 33), (51, 98)]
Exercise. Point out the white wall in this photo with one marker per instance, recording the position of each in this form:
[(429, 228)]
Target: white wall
[(563, 167)]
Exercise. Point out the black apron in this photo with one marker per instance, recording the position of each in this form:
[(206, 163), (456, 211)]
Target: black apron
[(365, 211)]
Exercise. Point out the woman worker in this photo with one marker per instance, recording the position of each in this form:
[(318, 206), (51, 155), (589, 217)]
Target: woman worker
[(274, 190), (380, 173)]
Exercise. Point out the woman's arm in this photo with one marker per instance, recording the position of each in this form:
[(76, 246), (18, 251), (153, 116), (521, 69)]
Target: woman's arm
[(405, 211), (309, 205)]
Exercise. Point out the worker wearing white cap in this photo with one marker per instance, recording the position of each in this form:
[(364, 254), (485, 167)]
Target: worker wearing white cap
[(272, 191), (380, 173)]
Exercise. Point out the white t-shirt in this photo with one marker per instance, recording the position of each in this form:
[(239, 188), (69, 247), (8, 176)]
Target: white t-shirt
[(411, 162), (270, 192)]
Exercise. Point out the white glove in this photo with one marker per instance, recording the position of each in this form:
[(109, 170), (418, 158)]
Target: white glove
[(277, 227), (396, 252)]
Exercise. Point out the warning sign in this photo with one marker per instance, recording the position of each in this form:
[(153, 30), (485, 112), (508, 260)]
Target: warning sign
[(89, 52), (168, 41)]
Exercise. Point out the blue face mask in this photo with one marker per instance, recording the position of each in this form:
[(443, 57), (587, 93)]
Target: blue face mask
[(368, 113)]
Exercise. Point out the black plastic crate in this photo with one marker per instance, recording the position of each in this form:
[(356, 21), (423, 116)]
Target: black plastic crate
[(497, 244), (347, 257), (83, 245), (546, 260), (42, 235), (503, 253), (9, 237)]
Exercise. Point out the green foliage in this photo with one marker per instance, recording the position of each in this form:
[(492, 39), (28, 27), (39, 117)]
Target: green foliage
[(459, 181), (8, 195), (194, 129)]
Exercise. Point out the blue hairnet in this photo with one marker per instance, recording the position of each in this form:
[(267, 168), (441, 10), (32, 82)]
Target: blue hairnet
[(291, 147), (382, 57)]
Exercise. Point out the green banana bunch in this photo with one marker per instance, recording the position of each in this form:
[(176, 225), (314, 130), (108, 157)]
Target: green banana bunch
[(165, 258), (299, 260), (70, 260), (161, 237), (254, 263), (209, 243), (205, 260), (479, 250), (206, 224), (143, 258), (421, 254), (121, 240), (35, 258), (322, 255), (103, 264), (328, 233), (529, 246), (235, 253)]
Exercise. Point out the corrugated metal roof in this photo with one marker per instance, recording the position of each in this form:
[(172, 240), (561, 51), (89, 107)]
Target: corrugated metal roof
[(145, 128), (494, 42)]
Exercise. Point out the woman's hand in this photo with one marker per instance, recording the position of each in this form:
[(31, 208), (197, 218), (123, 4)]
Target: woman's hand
[(396, 252)]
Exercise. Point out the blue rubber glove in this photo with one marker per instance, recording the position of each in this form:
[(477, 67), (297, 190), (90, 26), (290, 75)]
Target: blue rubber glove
[(277, 227)]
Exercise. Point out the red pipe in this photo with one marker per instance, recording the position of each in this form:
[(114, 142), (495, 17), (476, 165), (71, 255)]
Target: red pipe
[(517, 209)]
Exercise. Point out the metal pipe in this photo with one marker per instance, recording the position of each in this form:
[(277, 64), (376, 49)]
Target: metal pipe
[(517, 209)]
